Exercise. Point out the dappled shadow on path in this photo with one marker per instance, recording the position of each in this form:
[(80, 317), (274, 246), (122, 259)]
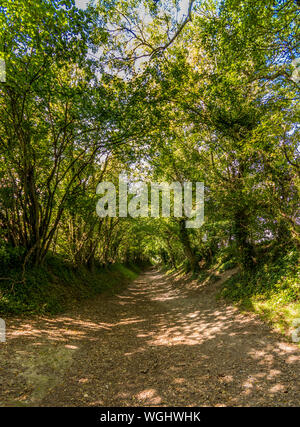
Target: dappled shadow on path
[(159, 342)]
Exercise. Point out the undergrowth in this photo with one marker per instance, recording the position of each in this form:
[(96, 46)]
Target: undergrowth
[(57, 285), (272, 289)]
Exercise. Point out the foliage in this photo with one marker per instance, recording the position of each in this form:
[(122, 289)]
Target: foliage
[(202, 95), (57, 285), (272, 289)]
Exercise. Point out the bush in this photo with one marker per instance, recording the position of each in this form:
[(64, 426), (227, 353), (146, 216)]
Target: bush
[(10, 258), (227, 265), (271, 290)]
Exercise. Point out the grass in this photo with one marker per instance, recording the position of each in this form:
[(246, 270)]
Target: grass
[(272, 290), (59, 285)]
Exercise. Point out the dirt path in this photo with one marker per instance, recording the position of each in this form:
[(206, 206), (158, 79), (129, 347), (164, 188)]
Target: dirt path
[(160, 342)]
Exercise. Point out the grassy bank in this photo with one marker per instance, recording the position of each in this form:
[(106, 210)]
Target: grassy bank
[(272, 290), (58, 285)]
